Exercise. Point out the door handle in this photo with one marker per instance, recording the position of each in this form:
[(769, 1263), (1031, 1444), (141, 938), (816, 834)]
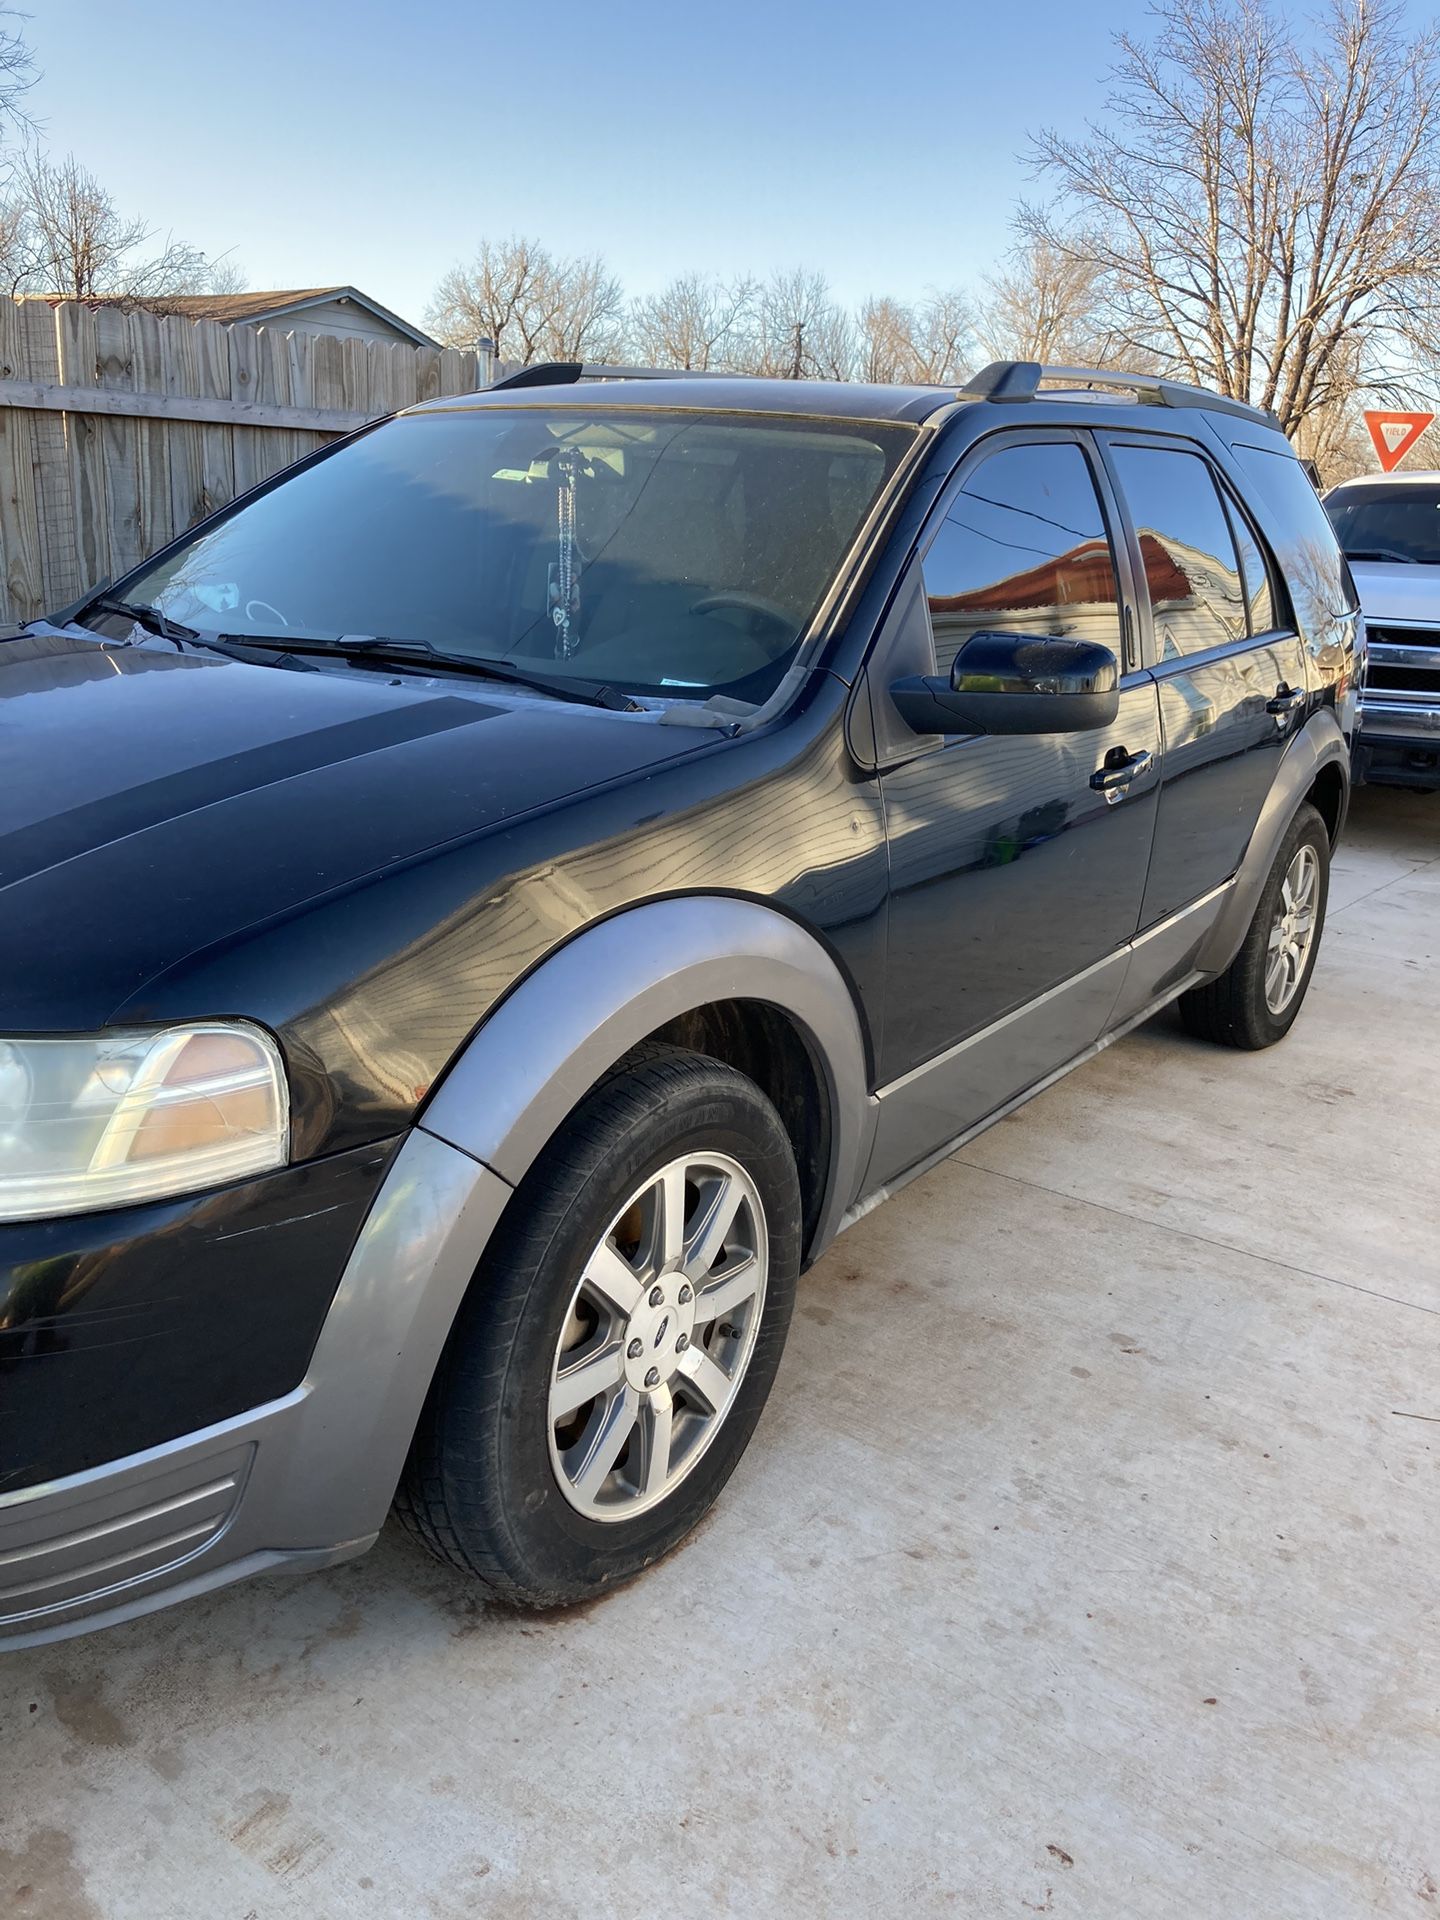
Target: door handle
[(1286, 700), (1114, 777)]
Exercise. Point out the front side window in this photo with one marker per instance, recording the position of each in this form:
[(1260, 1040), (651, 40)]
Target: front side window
[(663, 552), (1023, 549), (1191, 567)]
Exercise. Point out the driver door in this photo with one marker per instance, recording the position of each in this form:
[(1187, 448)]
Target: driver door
[(1018, 863)]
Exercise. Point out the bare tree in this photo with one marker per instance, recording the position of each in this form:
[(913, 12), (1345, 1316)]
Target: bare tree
[(17, 69), (14, 247), (589, 316), (1042, 304), (943, 338), (224, 274), (1334, 434), (696, 321), (502, 297), (529, 304), (884, 331), (928, 344), (61, 232), (534, 306), (17, 75), (801, 332), (1262, 210)]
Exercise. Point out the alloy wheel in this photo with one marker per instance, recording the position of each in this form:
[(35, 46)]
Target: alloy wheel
[(659, 1332), (1292, 933)]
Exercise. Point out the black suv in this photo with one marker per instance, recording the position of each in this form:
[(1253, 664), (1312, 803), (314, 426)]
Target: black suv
[(482, 912)]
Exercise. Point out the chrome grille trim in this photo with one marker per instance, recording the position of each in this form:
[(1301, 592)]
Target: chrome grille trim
[(1402, 663)]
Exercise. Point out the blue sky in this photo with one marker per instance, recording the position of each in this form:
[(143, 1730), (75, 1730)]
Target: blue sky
[(377, 143)]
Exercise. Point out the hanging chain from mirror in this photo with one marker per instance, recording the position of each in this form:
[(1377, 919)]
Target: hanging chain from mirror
[(565, 584)]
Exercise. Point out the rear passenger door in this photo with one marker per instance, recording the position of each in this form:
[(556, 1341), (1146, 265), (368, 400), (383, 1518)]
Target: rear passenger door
[(1230, 669)]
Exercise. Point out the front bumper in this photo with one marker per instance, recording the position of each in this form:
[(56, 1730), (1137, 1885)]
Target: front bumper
[(125, 1329), (301, 1481), (103, 1546), (1398, 742)]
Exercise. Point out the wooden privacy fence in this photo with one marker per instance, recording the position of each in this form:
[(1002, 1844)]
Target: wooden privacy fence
[(120, 428)]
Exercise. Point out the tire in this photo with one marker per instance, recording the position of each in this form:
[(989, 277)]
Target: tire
[(1234, 1009), (489, 1486)]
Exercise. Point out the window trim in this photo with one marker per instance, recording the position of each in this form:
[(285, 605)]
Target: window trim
[(1004, 441), (1284, 529), (1279, 598), (1108, 441), (878, 738)]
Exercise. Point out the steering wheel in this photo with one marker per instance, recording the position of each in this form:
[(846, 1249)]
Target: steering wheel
[(761, 612), (265, 607)]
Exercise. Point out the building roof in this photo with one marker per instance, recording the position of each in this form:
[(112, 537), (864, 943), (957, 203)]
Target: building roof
[(251, 308)]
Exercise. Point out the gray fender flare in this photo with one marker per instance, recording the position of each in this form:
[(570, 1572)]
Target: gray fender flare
[(336, 1446), (570, 1020), (1319, 744)]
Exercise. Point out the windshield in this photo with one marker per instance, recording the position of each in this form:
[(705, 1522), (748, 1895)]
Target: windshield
[(661, 552), (1398, 523)]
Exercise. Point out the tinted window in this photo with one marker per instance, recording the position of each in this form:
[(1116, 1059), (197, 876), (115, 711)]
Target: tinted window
[(1399, 523), (1301, 537), (664, 552), (1259, 595), (1191, 567), (1023, 550)]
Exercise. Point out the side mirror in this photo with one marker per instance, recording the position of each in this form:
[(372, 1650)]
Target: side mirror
[(1015, 683)]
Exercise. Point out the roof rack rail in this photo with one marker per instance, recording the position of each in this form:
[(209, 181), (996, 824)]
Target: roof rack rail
[(1014, 380), (563, 373)]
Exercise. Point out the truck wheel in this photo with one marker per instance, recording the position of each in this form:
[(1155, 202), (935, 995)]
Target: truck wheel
[(1254, 1002), (620, 1338)]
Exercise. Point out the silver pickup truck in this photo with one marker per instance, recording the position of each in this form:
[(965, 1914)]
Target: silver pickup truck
[(1389, 527)]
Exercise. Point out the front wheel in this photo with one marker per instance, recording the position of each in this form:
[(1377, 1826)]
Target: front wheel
[(1256, 1000), (618, 1344)]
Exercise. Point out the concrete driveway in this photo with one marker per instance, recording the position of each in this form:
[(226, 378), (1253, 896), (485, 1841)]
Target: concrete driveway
[(1086, 1563)]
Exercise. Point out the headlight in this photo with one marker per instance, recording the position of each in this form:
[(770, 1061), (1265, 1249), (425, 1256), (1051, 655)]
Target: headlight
[(127, 1116)]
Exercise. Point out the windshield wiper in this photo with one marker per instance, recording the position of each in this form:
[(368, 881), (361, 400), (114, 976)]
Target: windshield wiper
[(414, 654), (1381, 553), (164, 628), (151, 618)]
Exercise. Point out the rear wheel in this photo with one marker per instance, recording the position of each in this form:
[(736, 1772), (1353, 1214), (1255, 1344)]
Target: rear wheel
[(617, 1346), (1256, 1000)]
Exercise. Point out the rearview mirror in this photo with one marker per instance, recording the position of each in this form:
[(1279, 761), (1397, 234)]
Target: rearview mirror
[(1015, 683)]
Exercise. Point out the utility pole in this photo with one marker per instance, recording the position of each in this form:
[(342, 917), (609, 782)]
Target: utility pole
[(797, 363)]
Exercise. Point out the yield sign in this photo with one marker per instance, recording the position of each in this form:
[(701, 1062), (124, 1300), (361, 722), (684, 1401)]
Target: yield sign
[(1394, 434)]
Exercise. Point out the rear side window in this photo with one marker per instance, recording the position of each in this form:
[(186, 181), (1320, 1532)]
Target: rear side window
[(1191, 567), (1289, 510), (1023, 549)]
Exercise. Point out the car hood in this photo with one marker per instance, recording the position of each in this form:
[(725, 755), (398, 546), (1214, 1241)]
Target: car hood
[(1397, 593), (154, 802)]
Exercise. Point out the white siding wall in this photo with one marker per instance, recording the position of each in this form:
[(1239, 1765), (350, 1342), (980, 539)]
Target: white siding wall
[(343, 317)]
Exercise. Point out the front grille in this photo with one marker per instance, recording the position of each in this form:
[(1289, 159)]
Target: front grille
[(1404, 679), (56, 1553), (1393, 636), (1403, 660)]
